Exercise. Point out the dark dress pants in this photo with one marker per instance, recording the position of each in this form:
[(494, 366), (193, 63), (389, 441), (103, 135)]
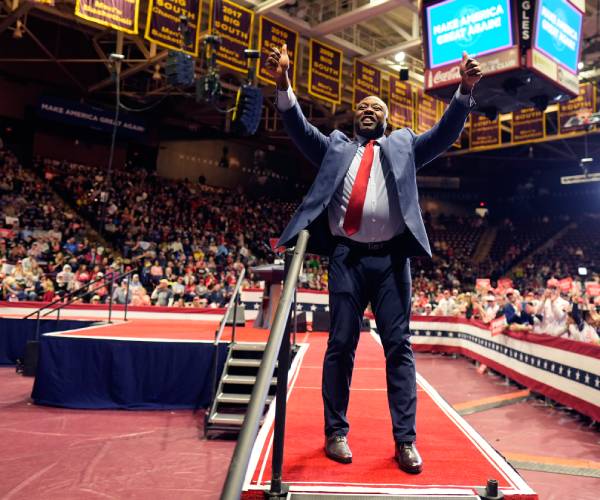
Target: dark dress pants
[(358, 276)]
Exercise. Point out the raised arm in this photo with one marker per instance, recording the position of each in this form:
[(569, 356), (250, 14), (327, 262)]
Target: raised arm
[(442, 135), (307, 138)]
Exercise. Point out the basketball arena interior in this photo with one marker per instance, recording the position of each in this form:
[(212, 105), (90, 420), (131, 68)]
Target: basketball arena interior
[(161, 339)]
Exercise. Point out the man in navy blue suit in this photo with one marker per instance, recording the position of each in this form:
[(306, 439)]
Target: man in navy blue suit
[(362, 211)]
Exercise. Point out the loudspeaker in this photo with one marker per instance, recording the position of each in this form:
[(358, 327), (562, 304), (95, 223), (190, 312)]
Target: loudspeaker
[(32, 354), (403, 74), (321, 321), (240, 317), (179, 69), (300, 322), (248, 110)]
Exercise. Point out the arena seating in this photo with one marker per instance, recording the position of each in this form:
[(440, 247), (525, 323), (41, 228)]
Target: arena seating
[(199, 237)]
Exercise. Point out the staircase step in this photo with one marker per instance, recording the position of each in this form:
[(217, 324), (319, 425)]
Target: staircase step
[(226, 419), (248, 363), (248, 347), (243, 380), (238, 398)]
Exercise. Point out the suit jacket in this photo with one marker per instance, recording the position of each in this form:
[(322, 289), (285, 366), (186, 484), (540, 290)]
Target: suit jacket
[(405, 153)]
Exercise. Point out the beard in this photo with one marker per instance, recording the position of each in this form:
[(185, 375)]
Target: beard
[(372, 132)]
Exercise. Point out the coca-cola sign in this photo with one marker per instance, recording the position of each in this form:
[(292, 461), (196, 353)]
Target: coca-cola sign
[(491, 63)]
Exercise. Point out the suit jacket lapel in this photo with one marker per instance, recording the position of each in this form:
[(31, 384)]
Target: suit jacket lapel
[(343, 161)]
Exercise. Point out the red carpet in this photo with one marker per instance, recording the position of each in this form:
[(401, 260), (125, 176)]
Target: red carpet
[(453, 461)]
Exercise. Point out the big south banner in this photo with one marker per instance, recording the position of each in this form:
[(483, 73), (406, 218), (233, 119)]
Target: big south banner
[(233, 23), (367, 81), (121, 15), (164, 26), (272, 34), (325, 72), (401, 103)]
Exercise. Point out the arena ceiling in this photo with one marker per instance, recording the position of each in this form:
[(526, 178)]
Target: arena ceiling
[(50, 45)]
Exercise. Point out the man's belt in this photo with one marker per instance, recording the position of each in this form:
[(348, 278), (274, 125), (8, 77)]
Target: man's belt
[(375, 246)]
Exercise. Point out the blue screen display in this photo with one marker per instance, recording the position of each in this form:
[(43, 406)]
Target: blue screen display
[(476, 26), (558, 32)]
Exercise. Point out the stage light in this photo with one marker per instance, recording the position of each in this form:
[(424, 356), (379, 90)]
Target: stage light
[(580, 65), (400, 57), (19, 30), (156, 75)]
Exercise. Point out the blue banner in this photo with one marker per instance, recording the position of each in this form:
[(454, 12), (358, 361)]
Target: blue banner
[(558, 32), (84, 115), (476, 26)]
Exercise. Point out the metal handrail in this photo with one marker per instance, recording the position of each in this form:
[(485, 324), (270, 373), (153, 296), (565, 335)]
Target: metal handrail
[(75, 292), (233, 298), (215, 366), (241, 456), (60, 299)]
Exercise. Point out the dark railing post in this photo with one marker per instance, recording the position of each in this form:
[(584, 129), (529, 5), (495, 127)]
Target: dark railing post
[(295, 330), (283, 365), (110, 297), (235, 306), (126, 299), (243, 449), (37, 326)]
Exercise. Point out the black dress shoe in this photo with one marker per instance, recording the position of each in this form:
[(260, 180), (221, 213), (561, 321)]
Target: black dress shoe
[(336, 448), (408, 458)]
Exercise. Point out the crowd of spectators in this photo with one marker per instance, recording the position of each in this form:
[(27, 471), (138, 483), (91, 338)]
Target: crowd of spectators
[(185, 243)]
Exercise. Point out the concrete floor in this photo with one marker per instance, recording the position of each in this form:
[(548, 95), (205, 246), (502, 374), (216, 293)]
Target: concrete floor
[(53, 453), (549, 438)]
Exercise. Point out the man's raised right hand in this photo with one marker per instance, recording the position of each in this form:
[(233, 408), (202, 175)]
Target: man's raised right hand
[(278, 64)]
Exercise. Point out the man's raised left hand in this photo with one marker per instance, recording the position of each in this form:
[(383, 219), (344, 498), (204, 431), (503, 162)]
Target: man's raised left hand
[(470, 73)]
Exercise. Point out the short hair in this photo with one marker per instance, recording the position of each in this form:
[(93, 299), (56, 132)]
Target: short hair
[(380, 100)]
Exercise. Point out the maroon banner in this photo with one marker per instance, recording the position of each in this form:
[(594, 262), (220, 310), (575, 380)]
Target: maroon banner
[(581, 106), (401, 103), (121, 15), (484, 133), (426, 111), (163, 25), (367, 81), (233, 23), (325, 72), (528, 124), (272, 34)]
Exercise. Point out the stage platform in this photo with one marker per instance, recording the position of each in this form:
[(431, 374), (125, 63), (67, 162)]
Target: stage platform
[(156, 363)]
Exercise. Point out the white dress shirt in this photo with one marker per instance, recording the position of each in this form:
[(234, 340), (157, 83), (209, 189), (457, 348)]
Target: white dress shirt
[(382, 217)]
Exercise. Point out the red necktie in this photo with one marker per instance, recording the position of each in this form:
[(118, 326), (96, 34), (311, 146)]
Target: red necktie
[(353, 216)]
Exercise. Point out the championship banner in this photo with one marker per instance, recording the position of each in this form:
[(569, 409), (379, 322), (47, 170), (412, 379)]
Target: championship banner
[(581, 106), (484, 133), (163, 25), (272, 34), (426, 111), (325, 72), (233, 23), (366, 82), (528, 124), (121, 15), (401, 103)]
